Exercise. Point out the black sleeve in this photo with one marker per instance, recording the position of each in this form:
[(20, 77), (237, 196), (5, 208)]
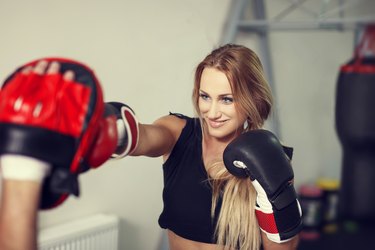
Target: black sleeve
[(288, 151)]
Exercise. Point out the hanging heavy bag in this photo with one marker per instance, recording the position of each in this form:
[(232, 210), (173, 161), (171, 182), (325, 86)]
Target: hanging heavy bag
[(355, 126)]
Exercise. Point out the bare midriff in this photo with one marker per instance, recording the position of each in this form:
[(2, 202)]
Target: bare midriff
[(178, 243)]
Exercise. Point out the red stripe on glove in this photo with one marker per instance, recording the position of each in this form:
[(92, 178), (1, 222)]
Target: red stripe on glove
[(266, 222), (133, 128)]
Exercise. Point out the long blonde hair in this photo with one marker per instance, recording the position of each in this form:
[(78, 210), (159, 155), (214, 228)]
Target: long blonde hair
[(237, 226)]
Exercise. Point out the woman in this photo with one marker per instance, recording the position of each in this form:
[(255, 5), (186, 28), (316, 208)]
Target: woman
[(202, 210)]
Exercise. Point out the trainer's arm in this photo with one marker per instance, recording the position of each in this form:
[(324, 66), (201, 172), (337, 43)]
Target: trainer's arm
[(18, 214), (159, 138)]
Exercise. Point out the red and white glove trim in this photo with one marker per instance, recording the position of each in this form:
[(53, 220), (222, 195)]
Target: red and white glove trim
[(265, 215), (128, 131)]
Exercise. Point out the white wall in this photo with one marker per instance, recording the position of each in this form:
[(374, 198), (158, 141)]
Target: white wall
[(144, 52)]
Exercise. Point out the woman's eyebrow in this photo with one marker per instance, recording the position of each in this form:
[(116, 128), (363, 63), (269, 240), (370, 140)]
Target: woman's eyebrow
[(224, 95), (221, 95)]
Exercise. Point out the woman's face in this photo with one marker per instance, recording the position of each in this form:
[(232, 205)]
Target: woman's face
[(216, 105)]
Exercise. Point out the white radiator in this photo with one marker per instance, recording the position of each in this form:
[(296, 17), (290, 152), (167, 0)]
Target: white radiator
[(97, 232)]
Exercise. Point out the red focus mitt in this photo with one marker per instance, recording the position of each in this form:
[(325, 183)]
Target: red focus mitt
[(45, 117)]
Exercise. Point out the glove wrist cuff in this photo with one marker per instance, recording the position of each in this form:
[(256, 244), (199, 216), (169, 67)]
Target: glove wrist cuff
[(128, 131), (281, 225), (19, 167)]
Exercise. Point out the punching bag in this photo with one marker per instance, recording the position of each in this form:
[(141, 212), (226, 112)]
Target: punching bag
[(355, 126)]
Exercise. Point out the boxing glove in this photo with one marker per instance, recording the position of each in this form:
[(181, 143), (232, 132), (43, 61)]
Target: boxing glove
[(258, 155), (106, 140), (117, 136), (127, 129)]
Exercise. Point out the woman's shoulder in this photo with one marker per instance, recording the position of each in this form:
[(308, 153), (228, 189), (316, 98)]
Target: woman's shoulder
[(181, 116), (174, 122), (179, 127)]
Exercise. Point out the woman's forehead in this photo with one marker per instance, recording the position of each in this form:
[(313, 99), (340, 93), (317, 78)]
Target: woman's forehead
[(213, 80)]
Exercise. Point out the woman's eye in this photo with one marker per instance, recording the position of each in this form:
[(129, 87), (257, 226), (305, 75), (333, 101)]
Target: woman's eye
[(227, 100), (204, 96)]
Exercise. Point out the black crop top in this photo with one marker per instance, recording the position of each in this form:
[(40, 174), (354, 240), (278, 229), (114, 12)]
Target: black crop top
[(187, 193)]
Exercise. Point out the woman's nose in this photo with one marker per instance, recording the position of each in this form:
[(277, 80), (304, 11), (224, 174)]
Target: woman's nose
[(214, 111)]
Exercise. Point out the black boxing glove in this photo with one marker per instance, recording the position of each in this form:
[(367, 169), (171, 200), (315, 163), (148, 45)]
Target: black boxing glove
[(259, 156)]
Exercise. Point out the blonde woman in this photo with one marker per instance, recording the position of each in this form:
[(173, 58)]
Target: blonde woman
[(206, 207)]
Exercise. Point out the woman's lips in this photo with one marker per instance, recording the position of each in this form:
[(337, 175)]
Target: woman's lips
[(216, 124)]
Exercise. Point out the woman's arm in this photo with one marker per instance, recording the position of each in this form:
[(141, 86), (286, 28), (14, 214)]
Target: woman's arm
[(159, 138), (270, 245)]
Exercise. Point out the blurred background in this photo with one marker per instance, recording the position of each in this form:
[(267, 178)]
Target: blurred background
[(145, 52)]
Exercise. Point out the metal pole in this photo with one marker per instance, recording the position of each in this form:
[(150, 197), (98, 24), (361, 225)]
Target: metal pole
[(234, 17), (260, 14)]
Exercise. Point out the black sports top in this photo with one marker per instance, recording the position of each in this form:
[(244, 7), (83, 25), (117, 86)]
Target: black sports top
[(187, 193)]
